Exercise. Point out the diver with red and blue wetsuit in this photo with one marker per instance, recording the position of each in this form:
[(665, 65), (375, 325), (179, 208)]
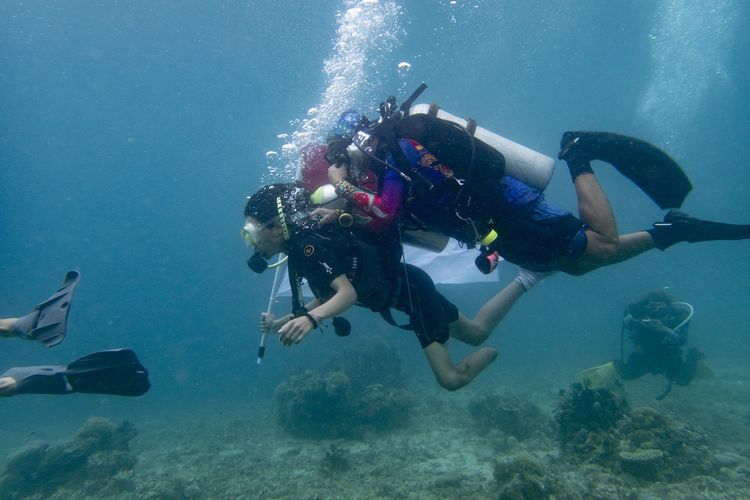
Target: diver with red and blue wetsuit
[(520, 211), (501, 213)]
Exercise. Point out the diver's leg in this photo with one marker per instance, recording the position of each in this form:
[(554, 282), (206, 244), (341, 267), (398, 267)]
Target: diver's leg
[(6, 327), (8, 386), (595, 211), (453, 377), (635, 367), (475, 331)]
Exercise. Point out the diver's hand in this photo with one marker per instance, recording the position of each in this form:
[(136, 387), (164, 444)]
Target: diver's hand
[(337, 173), (325, 215), (268, 323), (294, 331), (529, 279)]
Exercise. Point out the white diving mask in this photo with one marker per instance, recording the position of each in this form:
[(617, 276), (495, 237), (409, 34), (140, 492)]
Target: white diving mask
[(250, 232)]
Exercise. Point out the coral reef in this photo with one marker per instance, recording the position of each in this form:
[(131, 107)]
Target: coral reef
[(597, 427), (98, 459), (508, 414), (656, 447), (346, 401), (586, 418)]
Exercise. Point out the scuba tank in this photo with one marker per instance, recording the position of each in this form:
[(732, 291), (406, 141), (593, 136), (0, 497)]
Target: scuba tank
[(449, 138)]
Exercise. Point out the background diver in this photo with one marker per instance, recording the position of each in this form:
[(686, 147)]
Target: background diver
[(658, 328), (343, 269), (506, 216), (116, 371)]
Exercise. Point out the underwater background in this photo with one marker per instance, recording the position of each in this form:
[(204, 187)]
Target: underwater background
[(131, 133)]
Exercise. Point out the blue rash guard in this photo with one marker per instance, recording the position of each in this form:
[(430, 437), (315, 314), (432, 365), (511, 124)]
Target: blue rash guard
[(532, 232)]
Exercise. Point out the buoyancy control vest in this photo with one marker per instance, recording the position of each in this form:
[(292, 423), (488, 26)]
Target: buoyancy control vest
[(370, 265)]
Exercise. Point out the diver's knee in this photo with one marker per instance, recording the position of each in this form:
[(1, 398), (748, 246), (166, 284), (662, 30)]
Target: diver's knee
[(477, 336), (450, 381)]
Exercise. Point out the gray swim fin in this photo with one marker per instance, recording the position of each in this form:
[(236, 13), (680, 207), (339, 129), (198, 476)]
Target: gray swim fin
[(48, 321), (647, 166)]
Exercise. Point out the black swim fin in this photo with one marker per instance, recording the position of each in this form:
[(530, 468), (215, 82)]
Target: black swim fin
[(647, 166), (48, 321), (679, 226), (108, 372), (116, 372)]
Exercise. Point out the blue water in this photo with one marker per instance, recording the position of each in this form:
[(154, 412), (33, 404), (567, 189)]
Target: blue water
[(131, 132)]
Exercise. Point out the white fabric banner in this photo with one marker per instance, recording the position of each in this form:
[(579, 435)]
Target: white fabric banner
[(454, 265)]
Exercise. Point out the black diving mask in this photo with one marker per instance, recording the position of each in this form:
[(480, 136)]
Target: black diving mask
[(336, 153)]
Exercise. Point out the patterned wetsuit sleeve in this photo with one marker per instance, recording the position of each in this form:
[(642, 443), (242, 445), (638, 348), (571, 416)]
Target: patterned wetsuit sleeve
[(382, 208)]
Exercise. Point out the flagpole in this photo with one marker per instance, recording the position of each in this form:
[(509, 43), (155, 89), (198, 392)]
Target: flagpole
[(274, 292)]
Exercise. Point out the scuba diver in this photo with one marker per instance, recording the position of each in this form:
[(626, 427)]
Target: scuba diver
[(344, 267), (478, 203), (658, 328), (116, 371)]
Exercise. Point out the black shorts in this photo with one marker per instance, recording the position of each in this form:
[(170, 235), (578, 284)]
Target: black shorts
[(430, 314), (537, 244)]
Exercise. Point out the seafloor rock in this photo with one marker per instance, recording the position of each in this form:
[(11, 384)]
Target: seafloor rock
[(523, 478), (367, 361), (508, 414), (98, 459), (329, 404), (335, 459)]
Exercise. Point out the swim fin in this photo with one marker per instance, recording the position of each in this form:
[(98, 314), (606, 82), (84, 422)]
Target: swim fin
[(117, 371), (598, 377), (703, 371), (48, 321), (647, 166), (679, 226)]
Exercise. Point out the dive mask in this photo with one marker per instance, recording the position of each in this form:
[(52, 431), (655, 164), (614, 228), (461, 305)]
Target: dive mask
[(250, 233), (336, 153)]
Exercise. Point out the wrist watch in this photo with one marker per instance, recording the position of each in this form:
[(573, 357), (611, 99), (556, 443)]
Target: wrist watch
[(341, 189)]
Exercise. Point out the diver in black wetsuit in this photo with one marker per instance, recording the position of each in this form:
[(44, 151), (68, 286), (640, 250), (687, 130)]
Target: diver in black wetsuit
[(658, 328), (344, 269)]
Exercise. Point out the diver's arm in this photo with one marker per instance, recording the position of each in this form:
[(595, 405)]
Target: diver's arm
[(344, 298), (270, 324), (381, 208), (656, 327), (295, 330)]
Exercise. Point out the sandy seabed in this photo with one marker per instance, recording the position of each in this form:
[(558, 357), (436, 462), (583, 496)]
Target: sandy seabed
[(242, 452)]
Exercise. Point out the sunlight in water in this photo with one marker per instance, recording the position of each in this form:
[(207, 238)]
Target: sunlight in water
[(690, 43)]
